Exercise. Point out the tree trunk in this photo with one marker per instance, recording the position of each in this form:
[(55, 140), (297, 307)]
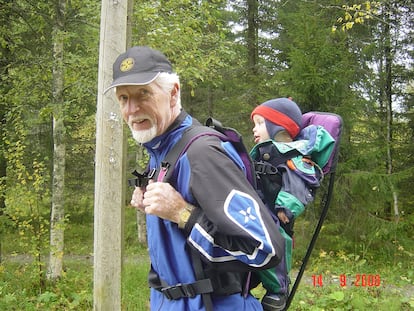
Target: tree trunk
[(5, 87), (252, 34), (57, 218), (252, 40), (388, 57)]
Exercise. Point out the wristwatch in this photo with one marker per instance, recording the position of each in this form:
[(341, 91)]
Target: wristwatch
[(185, 215)]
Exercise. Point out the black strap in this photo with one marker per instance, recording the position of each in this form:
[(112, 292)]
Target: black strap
[(199, 271), (179, 290), (141, 180), (190, 290), (202, 286)]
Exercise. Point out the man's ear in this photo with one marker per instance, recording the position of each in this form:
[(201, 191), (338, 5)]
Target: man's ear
[(175, 92)]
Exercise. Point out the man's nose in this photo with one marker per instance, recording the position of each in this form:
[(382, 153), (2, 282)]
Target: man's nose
[(132, 106)]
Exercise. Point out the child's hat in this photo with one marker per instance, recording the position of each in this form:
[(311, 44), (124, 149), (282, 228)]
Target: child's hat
[(280, 114)]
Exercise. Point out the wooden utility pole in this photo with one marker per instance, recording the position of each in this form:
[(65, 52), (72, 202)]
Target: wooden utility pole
[(110, 164)]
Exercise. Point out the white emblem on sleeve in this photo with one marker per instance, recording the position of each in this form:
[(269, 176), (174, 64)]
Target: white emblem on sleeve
[(247, 215)]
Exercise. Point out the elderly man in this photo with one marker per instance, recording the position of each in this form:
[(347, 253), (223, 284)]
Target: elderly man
[(207, 227)]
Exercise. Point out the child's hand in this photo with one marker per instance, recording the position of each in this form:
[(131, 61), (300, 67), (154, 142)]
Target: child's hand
[(282, 217)]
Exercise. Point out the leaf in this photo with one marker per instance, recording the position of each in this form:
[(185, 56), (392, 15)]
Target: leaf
[(358, 303), (338, 295)]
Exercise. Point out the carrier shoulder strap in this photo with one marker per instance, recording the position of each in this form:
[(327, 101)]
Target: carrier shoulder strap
[(164, 173), (200, 275), (191, 134)]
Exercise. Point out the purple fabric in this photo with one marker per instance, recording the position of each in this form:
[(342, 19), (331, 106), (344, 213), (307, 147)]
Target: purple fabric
[(333, 124)]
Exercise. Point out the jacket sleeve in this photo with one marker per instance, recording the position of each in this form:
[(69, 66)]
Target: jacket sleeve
[(294, 194), (232, 229)]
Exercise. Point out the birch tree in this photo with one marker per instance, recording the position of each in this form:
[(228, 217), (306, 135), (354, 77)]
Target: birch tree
[(57, 218)]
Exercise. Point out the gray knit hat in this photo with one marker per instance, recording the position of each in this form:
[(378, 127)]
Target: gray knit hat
[(280, 114)]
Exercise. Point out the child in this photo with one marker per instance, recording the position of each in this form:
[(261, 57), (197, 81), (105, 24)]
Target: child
[(289, 185)]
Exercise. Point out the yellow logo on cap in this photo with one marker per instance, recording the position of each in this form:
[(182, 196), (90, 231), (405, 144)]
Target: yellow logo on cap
[(127, 64)]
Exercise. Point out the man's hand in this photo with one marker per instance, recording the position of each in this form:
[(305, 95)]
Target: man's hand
[(159, 199), (137, 198)]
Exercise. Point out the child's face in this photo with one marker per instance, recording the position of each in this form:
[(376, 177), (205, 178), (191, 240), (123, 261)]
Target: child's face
[(259, 130)]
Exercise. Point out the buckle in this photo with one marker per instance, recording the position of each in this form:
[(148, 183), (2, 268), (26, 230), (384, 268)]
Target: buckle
[(151, 173), (272, 170), (259, 167), (179, 291), (264, 168), (171, 292), (141, 180), (189, 290)]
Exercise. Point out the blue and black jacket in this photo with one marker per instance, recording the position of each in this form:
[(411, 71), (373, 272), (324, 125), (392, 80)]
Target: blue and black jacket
[(230, 230)]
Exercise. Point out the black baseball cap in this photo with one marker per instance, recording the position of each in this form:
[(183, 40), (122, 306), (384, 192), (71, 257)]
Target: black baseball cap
[(139, 65)]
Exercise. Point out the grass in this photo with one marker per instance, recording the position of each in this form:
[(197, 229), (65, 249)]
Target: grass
[(135, 291), (322, 287), (19, 289)]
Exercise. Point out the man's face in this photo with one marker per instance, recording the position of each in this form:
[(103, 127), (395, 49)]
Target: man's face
[(147, 109)]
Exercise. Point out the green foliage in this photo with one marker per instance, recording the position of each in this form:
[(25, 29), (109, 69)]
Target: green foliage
[(342, 281), (26, 131), (357, 14), (191, 34), (356, 230), (73, 292), (27, 200), (298, 55), (315, 58), (330, 260), (345, 281)]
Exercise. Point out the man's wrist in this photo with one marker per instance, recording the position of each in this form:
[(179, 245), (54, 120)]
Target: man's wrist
[(185, 215)]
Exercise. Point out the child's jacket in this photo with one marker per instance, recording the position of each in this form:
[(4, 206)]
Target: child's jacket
[(299, 170)]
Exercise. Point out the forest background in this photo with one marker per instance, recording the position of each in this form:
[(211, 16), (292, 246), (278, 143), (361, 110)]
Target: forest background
[(353, 58)]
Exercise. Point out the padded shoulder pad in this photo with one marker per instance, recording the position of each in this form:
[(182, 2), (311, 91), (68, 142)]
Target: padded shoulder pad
[(333, 124)]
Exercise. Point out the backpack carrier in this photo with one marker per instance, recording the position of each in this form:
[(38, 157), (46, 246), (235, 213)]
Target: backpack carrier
[(331, 122)]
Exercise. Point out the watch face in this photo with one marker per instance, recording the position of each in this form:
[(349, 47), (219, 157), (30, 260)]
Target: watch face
[(184, 216)]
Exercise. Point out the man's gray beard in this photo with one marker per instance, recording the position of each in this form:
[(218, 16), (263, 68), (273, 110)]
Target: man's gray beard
[(144, 136)]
